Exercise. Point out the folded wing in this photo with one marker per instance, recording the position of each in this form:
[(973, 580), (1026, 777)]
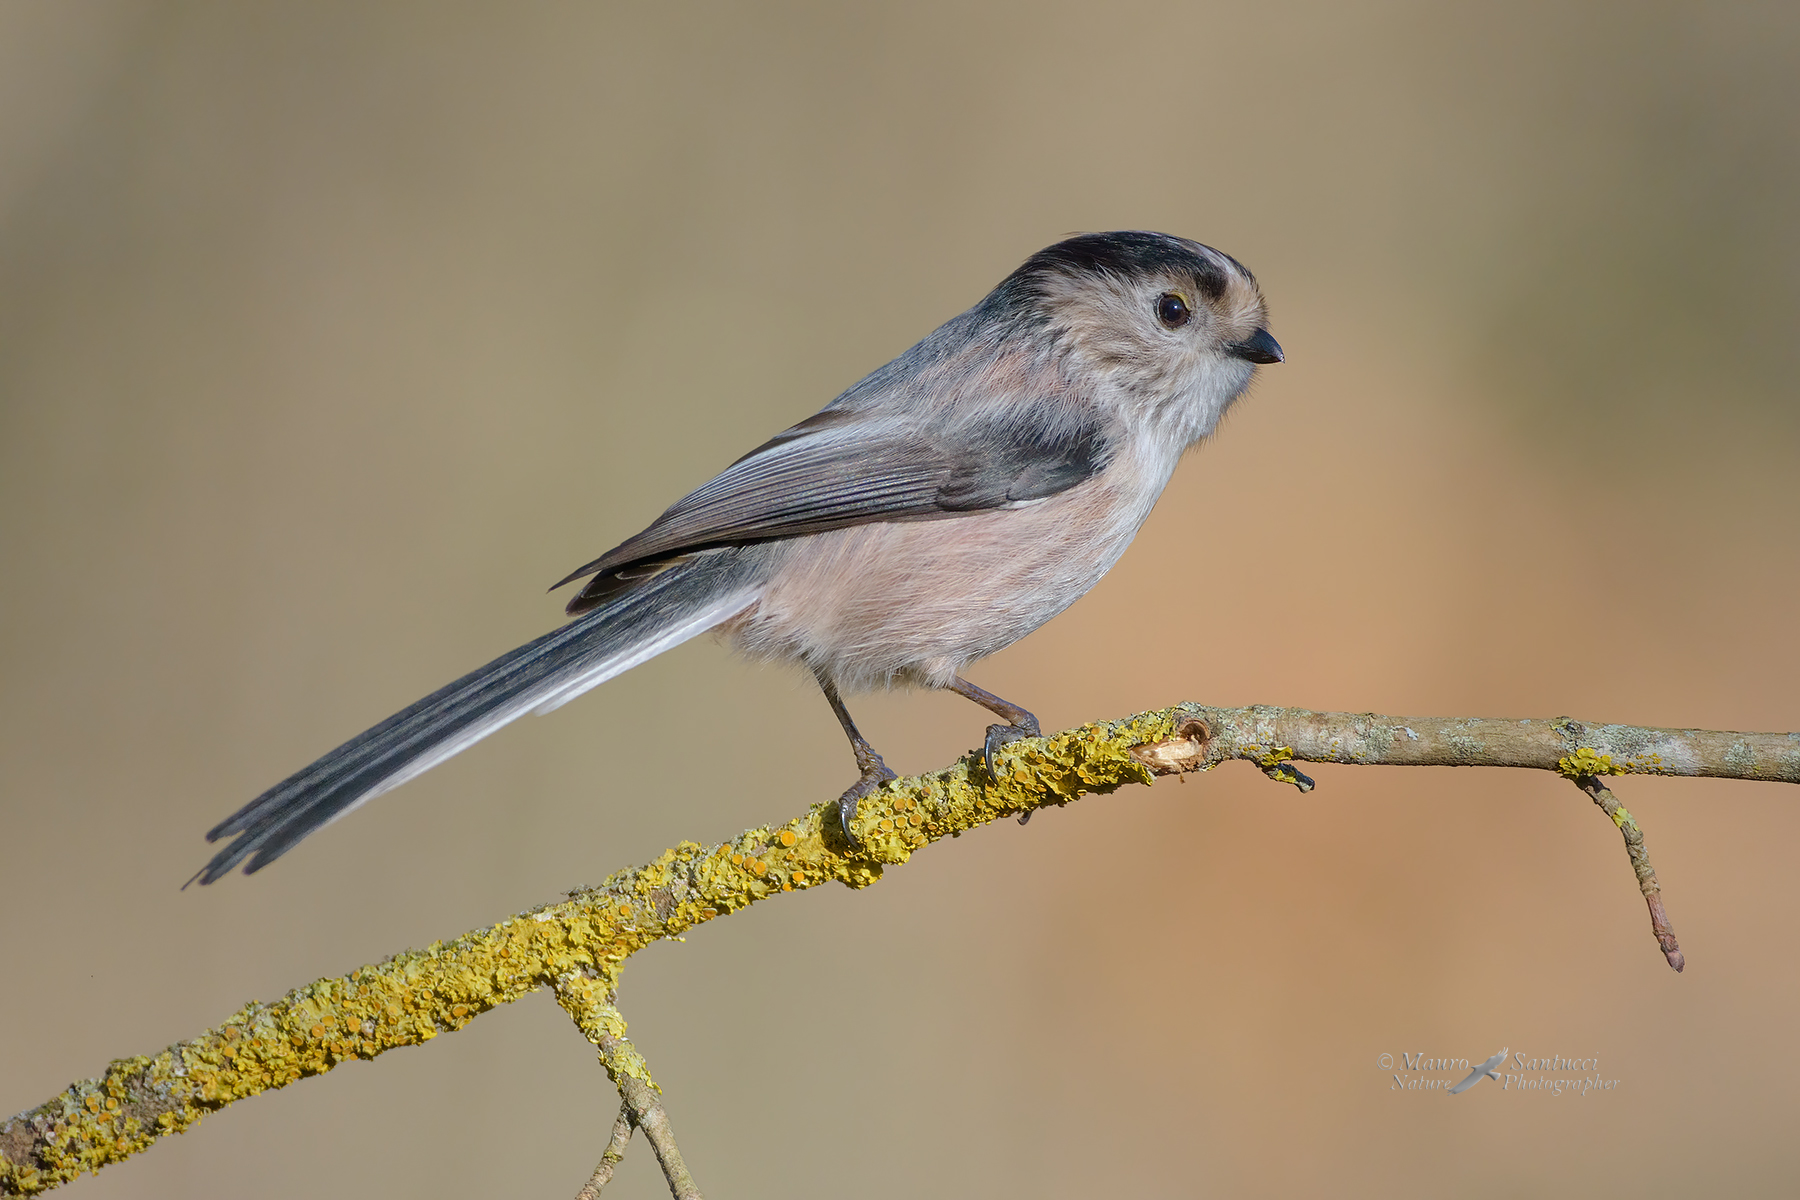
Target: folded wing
[(837, 469)]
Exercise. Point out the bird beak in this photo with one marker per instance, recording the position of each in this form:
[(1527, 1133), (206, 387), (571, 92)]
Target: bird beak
[(1259, 347)]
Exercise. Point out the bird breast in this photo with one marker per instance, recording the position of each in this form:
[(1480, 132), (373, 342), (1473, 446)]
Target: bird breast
[(914, 602)]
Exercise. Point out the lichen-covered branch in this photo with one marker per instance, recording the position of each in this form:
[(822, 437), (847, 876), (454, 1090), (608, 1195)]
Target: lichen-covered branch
[(415, 996)]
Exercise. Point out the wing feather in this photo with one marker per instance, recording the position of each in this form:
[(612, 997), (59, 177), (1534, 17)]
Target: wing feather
[(827, 474)]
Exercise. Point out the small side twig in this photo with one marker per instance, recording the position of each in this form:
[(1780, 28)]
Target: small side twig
[(615, 1154), (1640, 864), (586, 1000), (1274, 738), (648, 1114)]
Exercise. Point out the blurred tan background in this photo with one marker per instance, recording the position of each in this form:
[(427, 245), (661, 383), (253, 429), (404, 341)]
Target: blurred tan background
[(331, 333)]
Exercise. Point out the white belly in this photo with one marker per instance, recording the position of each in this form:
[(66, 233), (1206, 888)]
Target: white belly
[(916, 601)]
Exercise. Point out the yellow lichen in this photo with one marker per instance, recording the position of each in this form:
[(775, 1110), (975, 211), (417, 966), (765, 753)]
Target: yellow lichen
[(1586, 764)]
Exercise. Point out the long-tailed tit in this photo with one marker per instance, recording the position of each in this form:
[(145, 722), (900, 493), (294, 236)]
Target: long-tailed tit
[(939, 510)]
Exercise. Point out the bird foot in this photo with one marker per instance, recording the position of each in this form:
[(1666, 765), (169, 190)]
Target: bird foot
[(1000, 735), (874, 774)]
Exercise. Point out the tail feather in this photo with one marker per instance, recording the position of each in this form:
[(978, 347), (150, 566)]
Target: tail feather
[(630, 628)]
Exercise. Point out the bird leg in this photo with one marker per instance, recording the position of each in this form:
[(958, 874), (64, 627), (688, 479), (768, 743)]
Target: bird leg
[(874, 771), (1019, 724)]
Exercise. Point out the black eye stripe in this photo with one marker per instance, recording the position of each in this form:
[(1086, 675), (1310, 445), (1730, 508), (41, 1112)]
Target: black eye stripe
[(1212, 280)]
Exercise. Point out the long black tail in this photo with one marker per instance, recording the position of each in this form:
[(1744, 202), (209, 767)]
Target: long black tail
[(656, 615)]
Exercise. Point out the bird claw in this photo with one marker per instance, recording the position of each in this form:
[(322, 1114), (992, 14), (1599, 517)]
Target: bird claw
[(998, 736), (874, 775)]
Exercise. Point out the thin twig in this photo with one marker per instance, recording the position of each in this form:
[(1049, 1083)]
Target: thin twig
[(1640, 864), (647, 1110), (592, 1007), (615, 1154)]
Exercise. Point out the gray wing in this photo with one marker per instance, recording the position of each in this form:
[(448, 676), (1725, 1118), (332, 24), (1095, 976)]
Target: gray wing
[(841, 468)]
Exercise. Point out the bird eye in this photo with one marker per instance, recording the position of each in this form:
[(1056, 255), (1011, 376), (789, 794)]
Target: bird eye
[(1172, 310)]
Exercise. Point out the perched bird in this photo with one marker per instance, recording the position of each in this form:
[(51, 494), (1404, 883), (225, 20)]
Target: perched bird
[(940, 510)]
